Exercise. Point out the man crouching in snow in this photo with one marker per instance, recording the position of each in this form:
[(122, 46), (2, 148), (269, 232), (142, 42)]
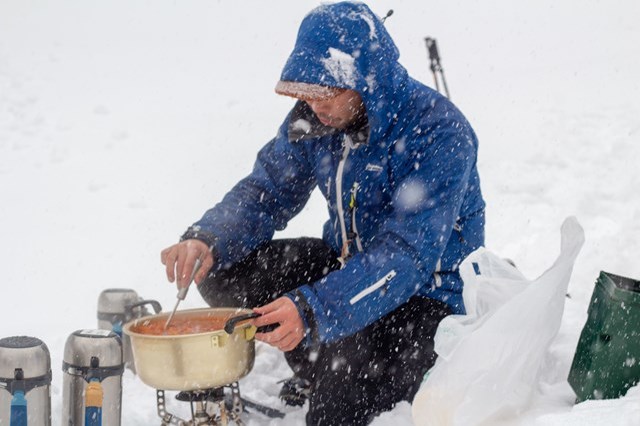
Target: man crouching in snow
[(396, 161)]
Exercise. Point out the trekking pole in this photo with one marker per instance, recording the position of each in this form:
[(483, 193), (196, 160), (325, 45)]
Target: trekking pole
[(389, 13), (436, 66)]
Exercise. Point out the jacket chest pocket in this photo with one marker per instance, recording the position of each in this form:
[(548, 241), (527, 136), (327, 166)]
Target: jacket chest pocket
[(373, 187)]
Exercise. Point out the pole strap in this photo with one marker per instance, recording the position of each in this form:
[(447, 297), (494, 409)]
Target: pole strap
[(436, 66)]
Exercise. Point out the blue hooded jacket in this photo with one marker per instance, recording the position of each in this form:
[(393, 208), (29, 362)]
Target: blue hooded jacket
[(403, 188)]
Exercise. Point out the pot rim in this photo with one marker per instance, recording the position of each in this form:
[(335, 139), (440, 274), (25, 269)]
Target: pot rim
[(126, 329)]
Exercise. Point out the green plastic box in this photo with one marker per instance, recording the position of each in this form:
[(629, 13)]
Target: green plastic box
[(607, 359)]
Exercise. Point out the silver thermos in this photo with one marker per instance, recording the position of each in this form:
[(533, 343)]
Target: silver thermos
[(92, 383), (25, 380), (116, 307)]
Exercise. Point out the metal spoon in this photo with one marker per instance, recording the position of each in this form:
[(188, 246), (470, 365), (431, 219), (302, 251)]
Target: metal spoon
[(182, 292)]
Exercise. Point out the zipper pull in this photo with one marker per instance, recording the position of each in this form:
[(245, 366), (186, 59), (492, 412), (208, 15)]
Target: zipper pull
[(354, 190), (458, 229), (387, 279)]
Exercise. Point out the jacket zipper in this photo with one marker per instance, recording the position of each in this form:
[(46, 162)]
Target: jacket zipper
[(436, 273), (381, 282), (339, 175), (353, 205)]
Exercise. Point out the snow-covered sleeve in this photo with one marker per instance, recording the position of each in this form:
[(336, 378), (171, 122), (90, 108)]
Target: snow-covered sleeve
[(404, 253), (276, 190)]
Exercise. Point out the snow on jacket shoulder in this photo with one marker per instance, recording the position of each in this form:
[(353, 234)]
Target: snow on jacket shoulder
[(404, 189)]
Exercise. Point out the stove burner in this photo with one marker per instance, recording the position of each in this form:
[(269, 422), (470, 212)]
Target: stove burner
[(209, 407), (213, 395)]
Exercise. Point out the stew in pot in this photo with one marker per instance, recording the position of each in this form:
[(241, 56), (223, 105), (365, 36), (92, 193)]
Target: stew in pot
[(180, 326)]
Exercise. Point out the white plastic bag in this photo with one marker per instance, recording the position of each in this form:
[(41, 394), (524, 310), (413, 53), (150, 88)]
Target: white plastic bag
[(489, 360)]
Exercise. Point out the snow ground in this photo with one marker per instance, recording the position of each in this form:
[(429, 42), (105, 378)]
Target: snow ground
[(122, 121)]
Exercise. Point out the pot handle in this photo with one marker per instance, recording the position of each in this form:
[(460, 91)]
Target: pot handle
[(231, 323)]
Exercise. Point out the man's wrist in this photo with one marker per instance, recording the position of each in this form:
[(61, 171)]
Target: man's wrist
[(195, 233), (307, 316)]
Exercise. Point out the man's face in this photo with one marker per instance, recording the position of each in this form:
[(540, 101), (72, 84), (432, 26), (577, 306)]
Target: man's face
[(339, 111)]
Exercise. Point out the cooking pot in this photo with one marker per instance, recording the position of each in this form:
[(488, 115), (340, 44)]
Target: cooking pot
[(193, 359)]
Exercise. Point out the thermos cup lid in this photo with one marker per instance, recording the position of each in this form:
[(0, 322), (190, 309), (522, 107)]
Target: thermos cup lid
[(83, 345), (27, 353), (115, 300)]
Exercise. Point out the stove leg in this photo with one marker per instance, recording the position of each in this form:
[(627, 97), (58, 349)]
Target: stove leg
[(236, 401), (223, 414), (236, 418), (168, 419)]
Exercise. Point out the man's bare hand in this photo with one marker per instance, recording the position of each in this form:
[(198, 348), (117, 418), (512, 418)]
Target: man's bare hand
[(180, 259), (291, 330)]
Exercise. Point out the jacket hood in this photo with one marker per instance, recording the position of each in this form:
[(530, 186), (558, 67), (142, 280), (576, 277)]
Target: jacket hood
[(345, 45)]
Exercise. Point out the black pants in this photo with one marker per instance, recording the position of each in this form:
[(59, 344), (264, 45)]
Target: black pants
[(357, 377)]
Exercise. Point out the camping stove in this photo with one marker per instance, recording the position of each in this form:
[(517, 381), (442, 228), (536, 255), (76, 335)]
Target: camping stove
[(209, 407)]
